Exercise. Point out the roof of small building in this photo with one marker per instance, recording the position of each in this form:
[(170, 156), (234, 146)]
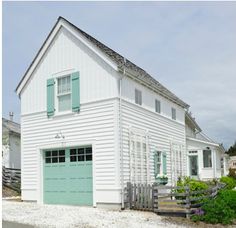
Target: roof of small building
[(11, 125), (122, 63)]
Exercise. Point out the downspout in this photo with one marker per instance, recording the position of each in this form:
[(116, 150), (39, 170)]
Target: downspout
[(121, 138)]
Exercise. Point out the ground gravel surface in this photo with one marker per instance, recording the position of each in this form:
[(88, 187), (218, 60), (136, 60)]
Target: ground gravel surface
[(74, 216)]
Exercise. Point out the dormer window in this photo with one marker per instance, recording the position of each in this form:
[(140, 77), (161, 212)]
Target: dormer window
[(138, 97)]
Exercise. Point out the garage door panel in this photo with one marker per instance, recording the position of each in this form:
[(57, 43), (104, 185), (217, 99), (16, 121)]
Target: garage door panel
[(69, 182)]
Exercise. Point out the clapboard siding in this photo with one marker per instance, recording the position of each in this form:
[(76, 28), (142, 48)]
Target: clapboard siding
[(66, 53), (162, 131), (38, 131)]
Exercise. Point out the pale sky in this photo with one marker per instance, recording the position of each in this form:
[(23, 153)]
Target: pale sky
[(189, 47)]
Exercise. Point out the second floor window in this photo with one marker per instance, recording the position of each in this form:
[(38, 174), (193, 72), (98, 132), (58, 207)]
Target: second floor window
[(64, 93), (173, 113), (157, 106), (138, 97)]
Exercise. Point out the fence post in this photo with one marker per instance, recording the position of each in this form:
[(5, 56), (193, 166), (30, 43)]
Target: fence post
[(154, 197), (188, 202), (129, 189)]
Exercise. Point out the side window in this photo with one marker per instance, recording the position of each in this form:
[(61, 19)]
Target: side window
[(157, 106), (138, 97), (207, 159), (173, 113)]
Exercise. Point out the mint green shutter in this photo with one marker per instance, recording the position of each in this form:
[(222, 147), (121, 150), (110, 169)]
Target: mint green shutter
[(155, 164), (75, 80), (164, 165), (50, 97)]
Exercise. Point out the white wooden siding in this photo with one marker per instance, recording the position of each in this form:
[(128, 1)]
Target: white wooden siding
[(148, 99), (66, 53), (94, 123), (161, 132)]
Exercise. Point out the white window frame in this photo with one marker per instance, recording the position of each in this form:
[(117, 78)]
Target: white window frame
[(157, 106), (58, 95), (138, 97)]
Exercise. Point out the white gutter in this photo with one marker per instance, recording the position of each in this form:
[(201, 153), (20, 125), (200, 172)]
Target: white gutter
[(121, 138), (205, 142)]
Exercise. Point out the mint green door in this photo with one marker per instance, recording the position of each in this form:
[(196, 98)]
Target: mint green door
[(67, 176)]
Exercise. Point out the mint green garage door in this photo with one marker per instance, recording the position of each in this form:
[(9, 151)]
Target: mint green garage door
[(67, 176)]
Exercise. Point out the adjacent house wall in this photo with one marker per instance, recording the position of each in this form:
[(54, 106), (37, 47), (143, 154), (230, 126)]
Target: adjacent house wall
[(161, 129)]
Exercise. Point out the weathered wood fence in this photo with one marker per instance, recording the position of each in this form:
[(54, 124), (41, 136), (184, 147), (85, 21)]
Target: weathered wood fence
[(167, 199), (11, 178)]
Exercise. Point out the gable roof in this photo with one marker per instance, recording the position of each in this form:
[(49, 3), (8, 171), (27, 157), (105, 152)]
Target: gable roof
[(122, 63), (11, 126)]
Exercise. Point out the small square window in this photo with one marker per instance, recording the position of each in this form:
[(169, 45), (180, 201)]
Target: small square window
[(73, 158), (81, 158), (72, 151), (89, 157), (61, 153), (61, 159), (48, 160), (54, 153), (54, 160), (48, 154), (81, 151), (89, 150)]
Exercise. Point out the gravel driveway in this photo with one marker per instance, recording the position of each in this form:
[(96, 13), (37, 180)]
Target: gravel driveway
[(74, 216)]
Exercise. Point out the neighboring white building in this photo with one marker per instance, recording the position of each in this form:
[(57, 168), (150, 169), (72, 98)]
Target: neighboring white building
[(92, 121), (205, 157), (11, 149), (232, 162)]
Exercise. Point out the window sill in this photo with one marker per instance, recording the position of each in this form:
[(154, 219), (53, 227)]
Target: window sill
[(207, 168), (62, 114)]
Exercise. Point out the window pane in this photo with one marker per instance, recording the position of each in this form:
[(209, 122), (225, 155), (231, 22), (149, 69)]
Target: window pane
[(63, 85), (61, 152), (88, 150), (89, 157), (73, 158), (173, 113), (55, 153), (81, 158), (64, 102), (81, 151), (47, 153), (54, 160), (48, 160), (72, 151), (61, 159), (138, 97), (158, 106), (207, 158)]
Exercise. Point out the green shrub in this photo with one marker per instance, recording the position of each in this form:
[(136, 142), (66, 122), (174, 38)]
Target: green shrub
[(222, 209), (194, 185), (229, 181), (232, 173)]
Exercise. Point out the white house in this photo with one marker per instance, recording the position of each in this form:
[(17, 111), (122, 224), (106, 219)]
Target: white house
[(91, 121), (11, 149)]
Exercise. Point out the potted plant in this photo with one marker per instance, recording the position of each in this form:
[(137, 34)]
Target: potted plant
[(162, 179)]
